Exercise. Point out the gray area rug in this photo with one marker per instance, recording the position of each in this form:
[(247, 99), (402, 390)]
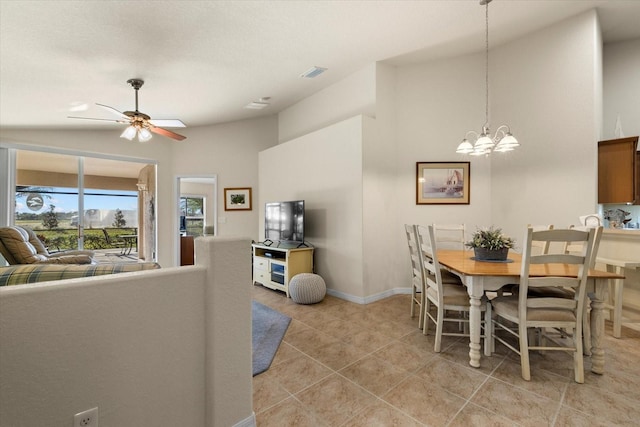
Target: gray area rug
[(268, 329)]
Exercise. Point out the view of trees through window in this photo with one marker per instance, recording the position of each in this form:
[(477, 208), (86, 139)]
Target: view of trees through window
[(192, 215), (53, 213)]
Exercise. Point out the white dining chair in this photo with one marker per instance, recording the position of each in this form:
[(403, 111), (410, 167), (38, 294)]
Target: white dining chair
[(450, 236), (417, 280), (444, 297), (547, 312), (537, 246)]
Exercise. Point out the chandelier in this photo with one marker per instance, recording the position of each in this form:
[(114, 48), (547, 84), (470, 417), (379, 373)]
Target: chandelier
[(485, 143)]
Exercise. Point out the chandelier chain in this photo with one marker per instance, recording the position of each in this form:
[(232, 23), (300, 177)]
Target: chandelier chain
[(486, 74), (484, 143)]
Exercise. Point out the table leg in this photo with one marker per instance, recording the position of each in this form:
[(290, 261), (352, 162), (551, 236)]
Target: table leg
[(597, 325), (475, 314)]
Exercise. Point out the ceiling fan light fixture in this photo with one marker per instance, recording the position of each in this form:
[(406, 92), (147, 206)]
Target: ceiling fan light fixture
[(129, 133), (144, 135), (140, 124)]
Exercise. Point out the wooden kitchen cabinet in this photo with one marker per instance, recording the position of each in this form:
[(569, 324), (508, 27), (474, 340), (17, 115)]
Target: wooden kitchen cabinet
[(619, 171)]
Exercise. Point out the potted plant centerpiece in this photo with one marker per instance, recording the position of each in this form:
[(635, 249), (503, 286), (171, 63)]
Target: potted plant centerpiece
[(490, 244)]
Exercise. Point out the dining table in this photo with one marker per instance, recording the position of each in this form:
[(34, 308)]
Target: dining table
[(482, 276)]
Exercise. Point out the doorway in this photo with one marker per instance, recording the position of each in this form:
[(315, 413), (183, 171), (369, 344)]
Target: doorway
[(196, 201)]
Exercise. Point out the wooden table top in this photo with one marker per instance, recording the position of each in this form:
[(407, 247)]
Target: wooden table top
[(462, 262)]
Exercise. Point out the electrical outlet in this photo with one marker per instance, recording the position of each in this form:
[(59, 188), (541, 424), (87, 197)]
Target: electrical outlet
[(88, 418)]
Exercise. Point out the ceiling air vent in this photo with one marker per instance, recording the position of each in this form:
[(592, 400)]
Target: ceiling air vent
[(259, 104), (313, 72)]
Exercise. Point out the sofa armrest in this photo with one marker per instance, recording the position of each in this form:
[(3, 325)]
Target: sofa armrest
[(68, 259)]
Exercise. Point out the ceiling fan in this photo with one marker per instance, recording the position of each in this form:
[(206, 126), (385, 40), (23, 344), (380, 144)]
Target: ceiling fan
[(139, 123)]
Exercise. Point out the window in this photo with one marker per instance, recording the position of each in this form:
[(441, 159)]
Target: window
[(192, 215)]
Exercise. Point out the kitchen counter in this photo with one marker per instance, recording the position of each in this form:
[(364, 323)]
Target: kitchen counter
[(624, 245), (627, 232)]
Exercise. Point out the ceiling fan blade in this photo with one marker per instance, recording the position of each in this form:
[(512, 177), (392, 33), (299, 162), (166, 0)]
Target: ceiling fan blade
[(168, 133), (113, 110), (104, 120), (168, 123)]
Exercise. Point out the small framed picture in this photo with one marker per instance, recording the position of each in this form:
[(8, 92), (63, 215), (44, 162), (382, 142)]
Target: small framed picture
[(441, 183), (237, 199)]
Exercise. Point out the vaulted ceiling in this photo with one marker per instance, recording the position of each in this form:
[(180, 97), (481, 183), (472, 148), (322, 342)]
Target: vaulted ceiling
[(203, 61)]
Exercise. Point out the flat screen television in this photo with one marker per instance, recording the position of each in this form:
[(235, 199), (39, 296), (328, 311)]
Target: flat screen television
[(284, 221)]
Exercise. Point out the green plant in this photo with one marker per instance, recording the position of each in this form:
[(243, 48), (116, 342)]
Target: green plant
[(491, 239), (119, 221), (50, 218)]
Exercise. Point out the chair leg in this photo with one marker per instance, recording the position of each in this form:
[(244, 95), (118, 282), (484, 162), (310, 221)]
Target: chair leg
[(617, 307), (488, 331), (421, 314), (578, 361), (586, 329), (413, 304), (439, 325), (425, 325), (524, 352)]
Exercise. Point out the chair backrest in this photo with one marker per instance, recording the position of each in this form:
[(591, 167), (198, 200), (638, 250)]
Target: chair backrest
[(450, 236), (540, 247), (20, 245), (414, 254), (431, 266), (530, 264), (577, 247)]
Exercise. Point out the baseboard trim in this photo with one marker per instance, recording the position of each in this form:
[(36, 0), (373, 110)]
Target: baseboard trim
[(247, 422), (369, 299)]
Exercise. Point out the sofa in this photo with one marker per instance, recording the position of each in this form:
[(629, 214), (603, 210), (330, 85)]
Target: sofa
[(21, 245), (35, 273), (32, 263)]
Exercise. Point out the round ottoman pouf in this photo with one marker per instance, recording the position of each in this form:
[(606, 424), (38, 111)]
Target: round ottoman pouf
[(307, 288)]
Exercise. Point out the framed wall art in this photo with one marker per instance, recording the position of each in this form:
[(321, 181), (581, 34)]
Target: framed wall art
[(442, 183), (237, 199)]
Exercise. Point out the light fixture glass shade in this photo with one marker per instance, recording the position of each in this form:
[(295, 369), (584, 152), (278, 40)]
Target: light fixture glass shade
[(144, 135), (129, 133), (465, 147), (483, 142), (503, 148), (509, 141)]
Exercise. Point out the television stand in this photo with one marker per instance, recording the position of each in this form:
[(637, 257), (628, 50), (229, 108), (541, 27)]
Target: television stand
[(274, 267)]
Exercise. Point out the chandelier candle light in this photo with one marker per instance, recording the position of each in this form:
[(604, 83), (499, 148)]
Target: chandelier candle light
[(502, 140)]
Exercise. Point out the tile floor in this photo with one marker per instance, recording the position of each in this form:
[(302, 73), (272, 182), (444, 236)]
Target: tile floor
[(345, 364)]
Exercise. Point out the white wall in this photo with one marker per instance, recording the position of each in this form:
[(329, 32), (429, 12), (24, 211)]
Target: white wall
[(168, 347), (349, 97), (437, 103), (378, 187), (229, 150), (547, 87), (203, 190), (325, 169), (622, 87)]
